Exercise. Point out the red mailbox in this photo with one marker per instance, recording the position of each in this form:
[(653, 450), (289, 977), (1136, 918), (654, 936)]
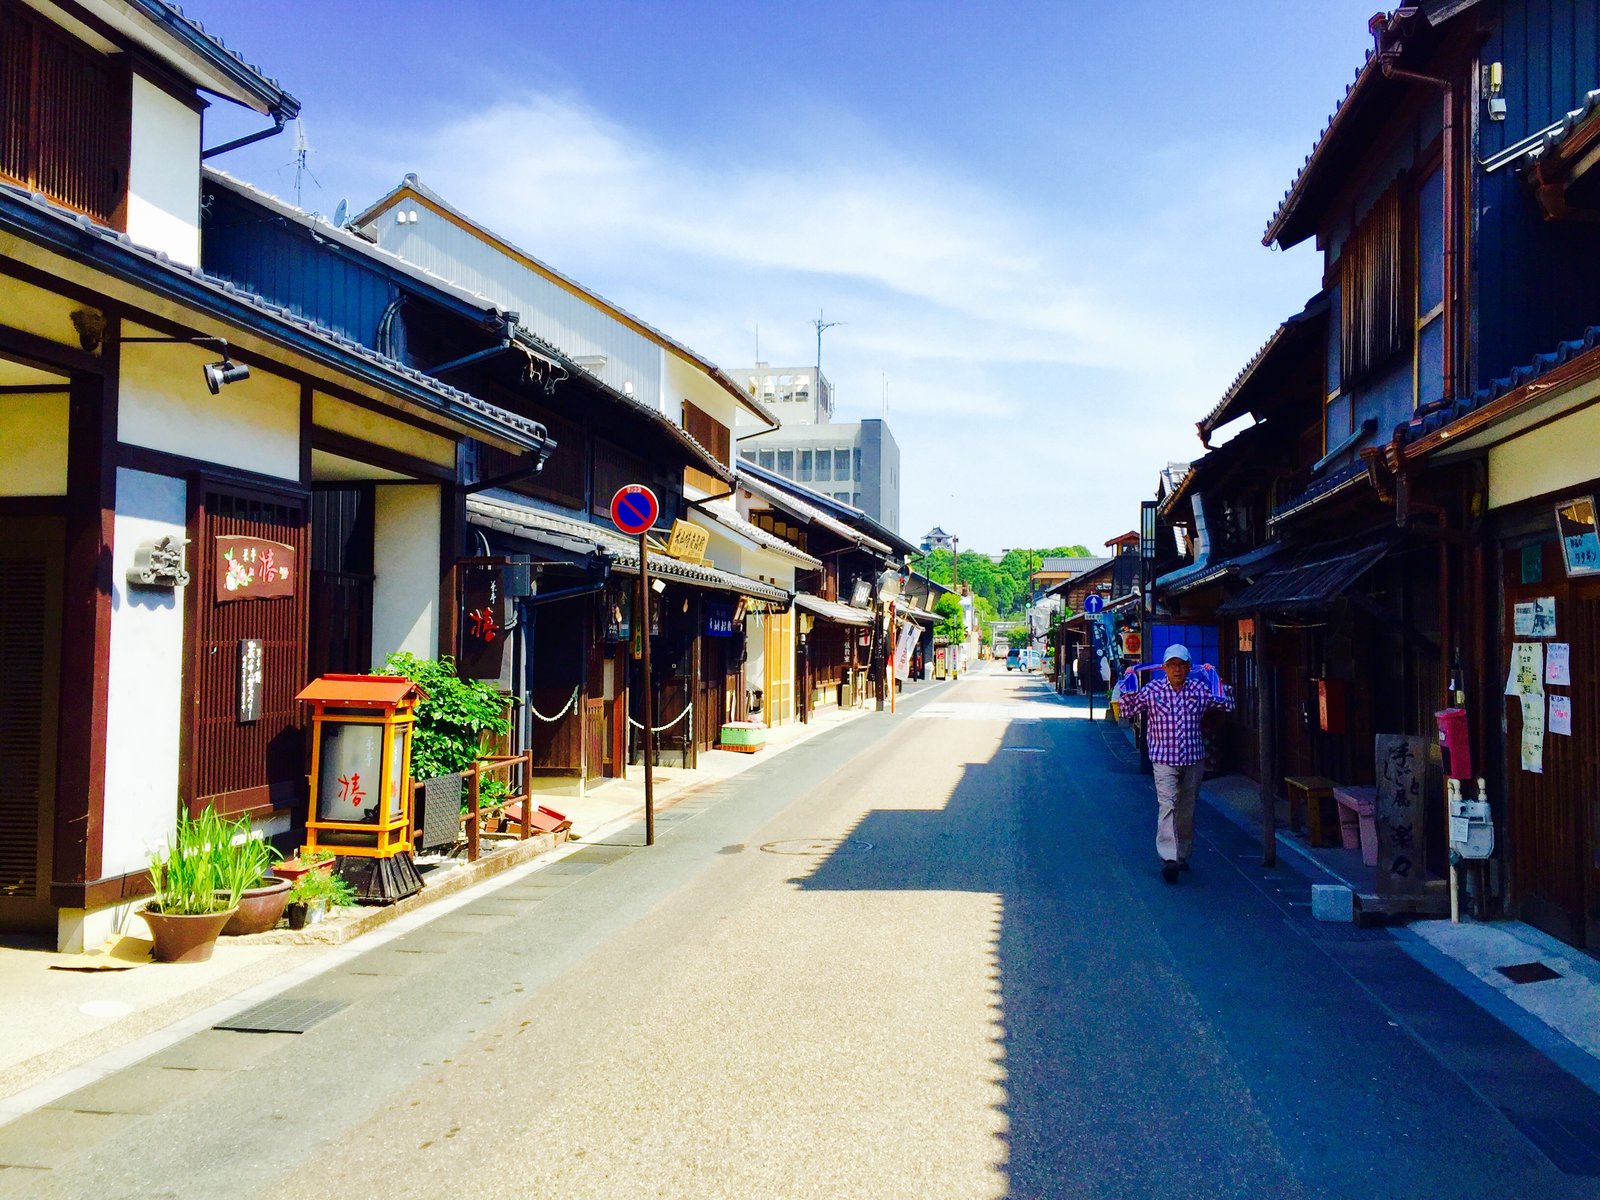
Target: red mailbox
[(1453, 745)]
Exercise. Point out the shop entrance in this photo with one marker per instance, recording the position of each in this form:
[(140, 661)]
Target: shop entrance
[(30, 661)]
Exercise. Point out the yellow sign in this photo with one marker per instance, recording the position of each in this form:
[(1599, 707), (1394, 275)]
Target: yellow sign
[(688, 542)]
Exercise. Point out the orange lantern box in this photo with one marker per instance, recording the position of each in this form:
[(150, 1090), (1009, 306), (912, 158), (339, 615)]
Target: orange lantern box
[(361, 764)]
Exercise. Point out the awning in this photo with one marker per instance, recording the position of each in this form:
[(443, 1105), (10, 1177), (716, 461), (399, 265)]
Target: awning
[(1187, 579), (1313, 577), (831, 610), (570, 535), (922, 616)]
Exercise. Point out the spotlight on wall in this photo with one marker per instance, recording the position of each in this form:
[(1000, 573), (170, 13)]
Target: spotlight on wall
[(219, 374)]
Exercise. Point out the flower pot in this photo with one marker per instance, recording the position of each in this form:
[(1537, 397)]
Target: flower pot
[(301, 915), (182, 938), (259, 907), (292, 868)]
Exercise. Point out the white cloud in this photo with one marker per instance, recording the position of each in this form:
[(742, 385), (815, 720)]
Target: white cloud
[(1098, 327)]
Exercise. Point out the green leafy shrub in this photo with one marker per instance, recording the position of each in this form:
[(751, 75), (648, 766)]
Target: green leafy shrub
[(453, 717), (322, 886)]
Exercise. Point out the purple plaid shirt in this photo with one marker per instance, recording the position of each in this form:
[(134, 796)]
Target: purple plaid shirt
[(1172, 718)]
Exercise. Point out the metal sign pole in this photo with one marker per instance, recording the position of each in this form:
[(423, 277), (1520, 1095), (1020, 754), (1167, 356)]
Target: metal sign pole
[(649, 696)]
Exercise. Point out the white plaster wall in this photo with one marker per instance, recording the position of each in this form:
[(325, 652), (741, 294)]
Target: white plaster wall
[(146, 679), (684, 381), (164, 174), (33, 445), (164, 404), (405, 592), (1547, 459)]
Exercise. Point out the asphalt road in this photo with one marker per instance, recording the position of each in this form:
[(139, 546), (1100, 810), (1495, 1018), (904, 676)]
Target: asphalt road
[(926, 955)]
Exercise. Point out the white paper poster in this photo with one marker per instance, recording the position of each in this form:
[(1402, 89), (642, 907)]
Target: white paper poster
[(1526, 677), (1558, 664), (1533, 733), (1561, 715), (1534, 618)]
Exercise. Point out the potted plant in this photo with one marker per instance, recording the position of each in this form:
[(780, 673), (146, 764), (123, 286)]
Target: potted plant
[(313, 894), (196, 879), (260, 904), (305, 860)]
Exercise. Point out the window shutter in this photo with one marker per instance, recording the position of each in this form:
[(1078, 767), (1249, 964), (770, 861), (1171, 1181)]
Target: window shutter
[(23, 636)]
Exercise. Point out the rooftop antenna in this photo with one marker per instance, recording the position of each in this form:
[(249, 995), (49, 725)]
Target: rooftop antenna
[(822, 325), (302, 169)]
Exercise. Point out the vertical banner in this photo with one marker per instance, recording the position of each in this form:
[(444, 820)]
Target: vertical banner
[(1397, 812), (904, 643), (483, 624)]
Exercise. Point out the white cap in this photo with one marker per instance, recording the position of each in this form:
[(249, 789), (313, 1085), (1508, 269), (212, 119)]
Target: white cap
[(1176, 651)]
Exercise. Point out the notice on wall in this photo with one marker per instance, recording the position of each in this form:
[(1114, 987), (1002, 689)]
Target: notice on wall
[(1526, 677), (1535, 618), (1401, 765), (1561, 715), (1558, 664), (1533, 733), (251, 657)]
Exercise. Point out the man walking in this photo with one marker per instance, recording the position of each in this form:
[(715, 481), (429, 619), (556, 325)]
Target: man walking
[(1172, 706)]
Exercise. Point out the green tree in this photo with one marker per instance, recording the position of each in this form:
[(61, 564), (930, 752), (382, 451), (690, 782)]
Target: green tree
[(948, 608)]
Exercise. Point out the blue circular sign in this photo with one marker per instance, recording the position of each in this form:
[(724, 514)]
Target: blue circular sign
[(1093, 603), (634, 509)]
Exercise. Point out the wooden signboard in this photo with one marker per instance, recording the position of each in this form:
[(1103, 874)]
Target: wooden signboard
[(688, 542), (251, 658), (483, 624), (1402, 769), (252, 568)]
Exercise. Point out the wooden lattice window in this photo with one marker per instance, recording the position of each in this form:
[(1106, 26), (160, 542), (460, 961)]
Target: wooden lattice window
[(26, 596), (708, 431), (1374, 317), (256, 765), (63, 116)]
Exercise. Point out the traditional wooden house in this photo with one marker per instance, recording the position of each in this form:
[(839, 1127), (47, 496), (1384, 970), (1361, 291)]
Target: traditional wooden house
[(163, 438)]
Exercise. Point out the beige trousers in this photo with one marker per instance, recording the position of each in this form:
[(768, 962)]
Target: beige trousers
[(1176, 788)]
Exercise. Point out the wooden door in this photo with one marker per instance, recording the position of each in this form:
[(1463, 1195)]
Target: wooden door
[(1551, 818), (244, 765), (30, 661), (780, 668)]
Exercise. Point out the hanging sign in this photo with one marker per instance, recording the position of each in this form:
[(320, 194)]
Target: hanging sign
[(252, 568), (688, 542), (1398, 812), (719, 618), (483, 624), (251, 658), (1580, 546), (905, 643)]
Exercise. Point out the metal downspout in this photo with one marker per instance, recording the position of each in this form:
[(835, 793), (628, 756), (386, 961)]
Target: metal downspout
[(260, 135)]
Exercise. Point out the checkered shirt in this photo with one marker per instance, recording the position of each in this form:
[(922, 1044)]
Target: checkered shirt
[(1172, 718)]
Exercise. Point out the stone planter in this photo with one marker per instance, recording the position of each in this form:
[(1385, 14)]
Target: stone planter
[(181, 938), (259, 907)]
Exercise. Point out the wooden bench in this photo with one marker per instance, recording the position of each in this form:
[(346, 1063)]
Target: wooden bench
[(1357, 823), (1313, 795)]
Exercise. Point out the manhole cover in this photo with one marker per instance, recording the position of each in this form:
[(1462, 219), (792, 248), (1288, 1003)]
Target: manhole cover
[(810, 847), (284, 1015), (1534, 972)]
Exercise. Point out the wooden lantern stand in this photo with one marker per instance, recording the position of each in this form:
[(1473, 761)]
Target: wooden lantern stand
[(361, 794)]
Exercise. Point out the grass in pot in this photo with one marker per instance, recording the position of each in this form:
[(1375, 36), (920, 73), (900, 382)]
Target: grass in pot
[(197, 879)]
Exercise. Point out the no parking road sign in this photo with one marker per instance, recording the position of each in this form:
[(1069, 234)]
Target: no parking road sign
[(634, 509), (1092, 603)]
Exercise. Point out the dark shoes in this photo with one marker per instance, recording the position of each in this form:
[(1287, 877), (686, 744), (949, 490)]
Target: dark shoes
[(1169, 871)]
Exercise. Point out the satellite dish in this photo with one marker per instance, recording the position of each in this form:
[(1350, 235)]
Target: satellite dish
[(341, 214)]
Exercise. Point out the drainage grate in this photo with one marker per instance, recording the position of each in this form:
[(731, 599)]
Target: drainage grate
[(1534, 972), (1570, 1145), (283, 1015)]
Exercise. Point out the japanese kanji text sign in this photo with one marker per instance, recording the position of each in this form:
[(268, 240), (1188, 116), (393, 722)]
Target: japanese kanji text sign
[(1402, 771)]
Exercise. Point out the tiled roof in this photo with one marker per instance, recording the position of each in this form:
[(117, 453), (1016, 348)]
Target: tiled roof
[(1556, 136), (269, 90), (1226, 409), (876, 531), (1367, 71), (17, 203), (1055, 565), (832, 610), (786, 499), (1496, 388), (537, 524), (1321, 489), (758, 535)]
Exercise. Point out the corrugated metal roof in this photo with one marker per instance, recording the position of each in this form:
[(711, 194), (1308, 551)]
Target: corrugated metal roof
[(1314, 576), (570, 534), (1056, 564), (97, 240), (832, 610)]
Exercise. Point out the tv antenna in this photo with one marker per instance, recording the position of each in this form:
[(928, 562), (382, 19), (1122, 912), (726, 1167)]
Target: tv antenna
[(301, 165)]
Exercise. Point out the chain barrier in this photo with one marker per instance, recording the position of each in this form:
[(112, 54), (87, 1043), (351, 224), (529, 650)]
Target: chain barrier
[(567, 707), (668, 725)]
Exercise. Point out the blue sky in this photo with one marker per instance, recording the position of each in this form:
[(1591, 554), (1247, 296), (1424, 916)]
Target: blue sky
[(1039, 223)]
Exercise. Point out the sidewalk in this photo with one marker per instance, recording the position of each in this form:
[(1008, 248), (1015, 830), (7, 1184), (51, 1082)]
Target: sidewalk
[(1557, 1015), (62, 1011)]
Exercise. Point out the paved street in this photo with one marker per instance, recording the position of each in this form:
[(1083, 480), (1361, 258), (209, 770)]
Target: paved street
[(920, 956)]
